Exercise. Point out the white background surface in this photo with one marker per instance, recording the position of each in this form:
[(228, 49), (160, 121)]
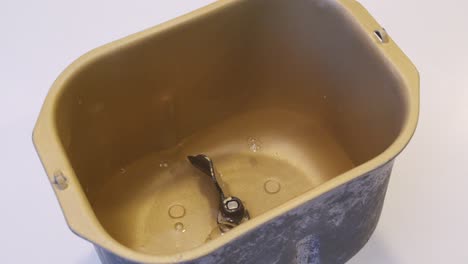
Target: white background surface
[(425, 217)]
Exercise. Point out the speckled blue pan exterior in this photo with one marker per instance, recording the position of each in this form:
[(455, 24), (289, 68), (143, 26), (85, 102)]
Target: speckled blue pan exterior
[(329, 229)]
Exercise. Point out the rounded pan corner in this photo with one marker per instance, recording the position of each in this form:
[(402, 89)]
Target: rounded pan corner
[(401, 66)]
